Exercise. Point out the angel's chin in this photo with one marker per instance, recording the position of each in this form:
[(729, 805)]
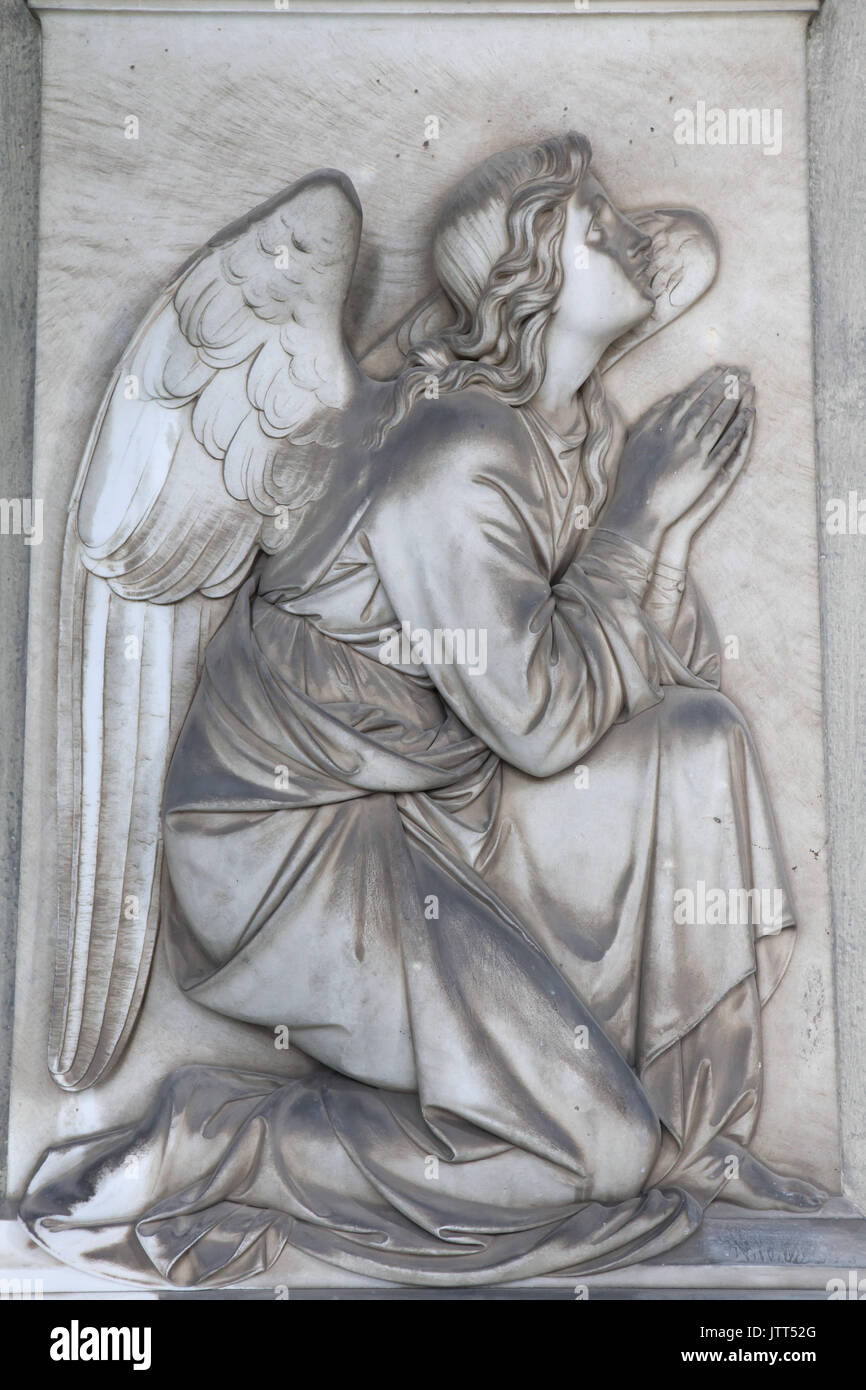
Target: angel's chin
[(647, 299), (644, 304), (645, 310)]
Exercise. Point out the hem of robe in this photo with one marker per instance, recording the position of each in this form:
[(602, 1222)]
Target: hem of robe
[(581, 1243), (228, 1241), (676, 1212), (248, 1240), (177, 1243)]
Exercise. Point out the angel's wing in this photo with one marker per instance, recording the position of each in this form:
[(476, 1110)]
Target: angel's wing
[(685, 256), (213, 436)]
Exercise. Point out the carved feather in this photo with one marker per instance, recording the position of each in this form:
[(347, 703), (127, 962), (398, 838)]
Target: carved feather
[(217, 417)]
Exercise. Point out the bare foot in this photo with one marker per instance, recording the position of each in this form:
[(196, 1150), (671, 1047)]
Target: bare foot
[(763, 1189)]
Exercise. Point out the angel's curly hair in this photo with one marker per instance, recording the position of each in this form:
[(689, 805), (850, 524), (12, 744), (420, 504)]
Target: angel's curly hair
[(496, 250)]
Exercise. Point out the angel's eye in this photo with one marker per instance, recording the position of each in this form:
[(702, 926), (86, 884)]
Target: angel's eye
[(598, 229)]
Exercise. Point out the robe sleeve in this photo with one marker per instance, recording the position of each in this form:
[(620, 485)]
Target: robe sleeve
[(694, 636), (460, 547), (671, 598)]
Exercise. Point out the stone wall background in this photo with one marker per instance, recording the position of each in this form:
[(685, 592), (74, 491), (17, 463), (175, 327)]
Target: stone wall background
[(19, 190), (122, 216), (837, 81)]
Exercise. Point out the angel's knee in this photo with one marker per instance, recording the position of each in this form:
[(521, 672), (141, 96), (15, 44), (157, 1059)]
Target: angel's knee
[(701, 716)]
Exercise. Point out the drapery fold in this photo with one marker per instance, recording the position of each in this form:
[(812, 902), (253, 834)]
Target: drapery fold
[(453, 883)]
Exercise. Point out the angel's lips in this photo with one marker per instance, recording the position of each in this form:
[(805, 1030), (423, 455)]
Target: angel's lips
[(642, 272)]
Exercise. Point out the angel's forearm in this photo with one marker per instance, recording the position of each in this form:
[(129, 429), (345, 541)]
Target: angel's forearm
[(630, 561), (632, 523), (656, 581), (664, 594), (674, 550)]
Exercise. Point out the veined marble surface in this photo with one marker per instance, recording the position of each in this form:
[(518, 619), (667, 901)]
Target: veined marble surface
[(225, 117)]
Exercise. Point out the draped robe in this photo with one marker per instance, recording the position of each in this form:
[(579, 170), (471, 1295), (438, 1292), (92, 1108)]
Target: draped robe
[(453, 883)]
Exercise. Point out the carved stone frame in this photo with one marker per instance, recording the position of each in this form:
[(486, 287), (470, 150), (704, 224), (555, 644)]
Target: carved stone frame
[(790, 1254)]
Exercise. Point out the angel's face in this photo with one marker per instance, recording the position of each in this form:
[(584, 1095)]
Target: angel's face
[(606, 268)]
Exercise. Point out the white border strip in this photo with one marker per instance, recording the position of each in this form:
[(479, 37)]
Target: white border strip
[(562, 8)]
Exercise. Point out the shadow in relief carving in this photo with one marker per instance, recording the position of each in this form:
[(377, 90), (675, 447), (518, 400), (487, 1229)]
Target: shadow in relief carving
[(386, 691)]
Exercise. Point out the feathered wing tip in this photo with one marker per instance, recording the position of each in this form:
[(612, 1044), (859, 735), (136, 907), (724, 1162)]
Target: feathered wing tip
[(685, 255), (216, 426)]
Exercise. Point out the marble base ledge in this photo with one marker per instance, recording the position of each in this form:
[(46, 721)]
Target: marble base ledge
[(763, 1256)]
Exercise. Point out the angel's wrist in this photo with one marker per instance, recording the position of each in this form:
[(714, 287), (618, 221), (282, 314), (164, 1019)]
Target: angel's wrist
[(674, 550), (668, 581), (627, 559), (637, 527)]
